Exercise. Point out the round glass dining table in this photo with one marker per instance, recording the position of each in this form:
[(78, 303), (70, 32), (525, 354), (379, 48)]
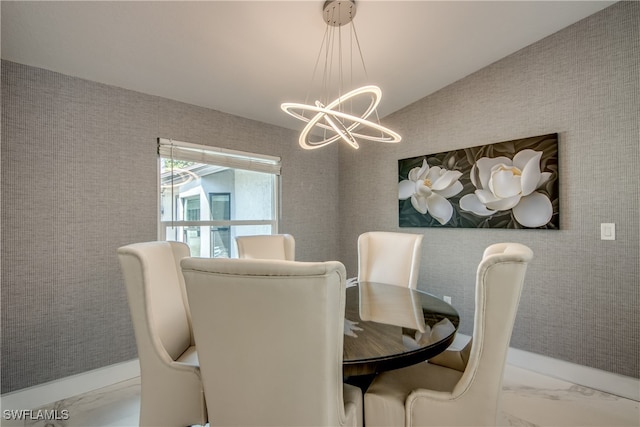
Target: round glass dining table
[(389, 327)]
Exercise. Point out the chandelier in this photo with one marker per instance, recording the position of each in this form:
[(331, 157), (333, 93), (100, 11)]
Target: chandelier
[(337, 114)]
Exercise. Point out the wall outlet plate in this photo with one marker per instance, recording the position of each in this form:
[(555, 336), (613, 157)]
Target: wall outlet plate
[(607, 231)]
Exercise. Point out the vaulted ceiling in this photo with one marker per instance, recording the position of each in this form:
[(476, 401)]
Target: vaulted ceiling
[(247, 57)]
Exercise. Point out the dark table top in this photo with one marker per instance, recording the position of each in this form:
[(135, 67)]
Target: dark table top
[(390, 327)]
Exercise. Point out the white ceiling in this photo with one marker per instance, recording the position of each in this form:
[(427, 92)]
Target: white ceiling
[(247, 57)]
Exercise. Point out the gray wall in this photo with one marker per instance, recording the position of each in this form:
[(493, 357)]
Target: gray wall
[(581, 296), (79, 179)]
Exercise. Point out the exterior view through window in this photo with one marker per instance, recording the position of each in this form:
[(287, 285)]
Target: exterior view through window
[(209, 196)]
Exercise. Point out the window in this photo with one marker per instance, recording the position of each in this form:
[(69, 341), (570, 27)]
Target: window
[(191, 234), (192, 208), (209, 196), (220, 236)]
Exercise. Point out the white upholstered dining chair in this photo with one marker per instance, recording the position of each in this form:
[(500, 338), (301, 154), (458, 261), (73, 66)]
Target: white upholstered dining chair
[(389, 257), (269, 246), (270, 342), (460, 388), (172, 392)]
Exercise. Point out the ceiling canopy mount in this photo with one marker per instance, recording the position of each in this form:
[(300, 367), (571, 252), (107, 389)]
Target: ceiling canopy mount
[(339, 12)]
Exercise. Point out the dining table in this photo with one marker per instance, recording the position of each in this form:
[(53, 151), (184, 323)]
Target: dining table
[(389, 327)]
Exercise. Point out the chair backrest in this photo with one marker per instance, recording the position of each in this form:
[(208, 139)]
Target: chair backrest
[(157, 299), (388, 257), (499, 282), (270, 340), (270, 246)]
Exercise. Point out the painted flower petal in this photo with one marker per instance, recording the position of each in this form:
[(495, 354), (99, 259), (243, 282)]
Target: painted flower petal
[(522, 158), (405, 189), (472, 175), (413, 174), (445, 180), (504, 182), (419, 173), (471, 203), (439, 208), (484, 166), (422, 189), (424, 170), (534, 210), (486, 196), (504, 204), (419, 203), (451, 190), (435, 172), (531, 173), (416, 174), (544, 177)]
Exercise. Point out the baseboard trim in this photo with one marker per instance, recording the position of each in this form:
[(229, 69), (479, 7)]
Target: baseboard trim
[(609, 382), (44, 394), (597, 379)]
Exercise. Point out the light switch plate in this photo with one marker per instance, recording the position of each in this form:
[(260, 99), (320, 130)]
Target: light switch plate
[(607, 231)]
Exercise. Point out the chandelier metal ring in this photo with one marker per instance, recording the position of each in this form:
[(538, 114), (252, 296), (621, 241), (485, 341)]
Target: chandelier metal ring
[(331, 116)]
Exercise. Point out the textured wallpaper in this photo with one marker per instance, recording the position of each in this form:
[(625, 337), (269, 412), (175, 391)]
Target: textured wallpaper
[(79, 179), (581, 301)]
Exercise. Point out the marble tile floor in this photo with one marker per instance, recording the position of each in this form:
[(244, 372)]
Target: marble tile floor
[(529, 400)]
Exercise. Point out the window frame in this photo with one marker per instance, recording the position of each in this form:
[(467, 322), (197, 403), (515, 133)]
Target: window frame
[(231, 159)]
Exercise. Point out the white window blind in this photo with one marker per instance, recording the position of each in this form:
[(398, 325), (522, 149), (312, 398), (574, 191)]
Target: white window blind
[(218, 156)]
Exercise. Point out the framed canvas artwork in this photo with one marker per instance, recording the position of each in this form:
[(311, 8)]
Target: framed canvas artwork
[(512, 184)]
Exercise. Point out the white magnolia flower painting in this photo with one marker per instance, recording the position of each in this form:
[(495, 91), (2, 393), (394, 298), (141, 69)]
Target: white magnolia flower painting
[(511, 184), (428, 188)]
